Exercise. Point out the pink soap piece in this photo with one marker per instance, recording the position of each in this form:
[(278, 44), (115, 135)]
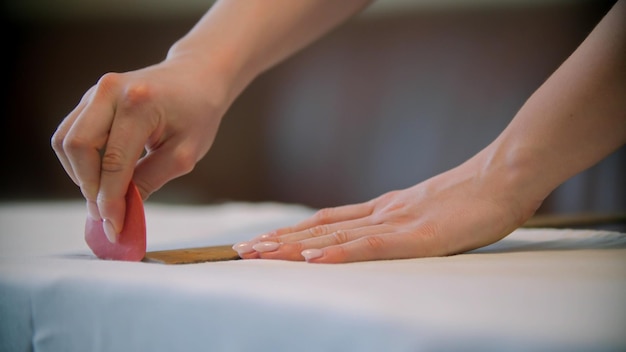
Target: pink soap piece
[(131, 242)]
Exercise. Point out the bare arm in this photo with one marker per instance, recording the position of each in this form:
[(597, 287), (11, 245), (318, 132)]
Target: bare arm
[(250, 36), (173, 109), (577, 117)]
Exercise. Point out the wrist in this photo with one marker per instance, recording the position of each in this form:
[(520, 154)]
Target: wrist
[(211, 67), (515, 176)]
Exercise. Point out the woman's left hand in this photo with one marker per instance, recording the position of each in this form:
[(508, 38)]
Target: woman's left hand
[(453, 212)]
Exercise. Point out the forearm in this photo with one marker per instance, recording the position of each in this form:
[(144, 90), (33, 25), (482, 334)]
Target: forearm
[(246, 37), (576, 118)]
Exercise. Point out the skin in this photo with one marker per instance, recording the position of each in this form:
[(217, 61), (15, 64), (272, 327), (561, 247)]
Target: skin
[(173, 109), (576, 118)]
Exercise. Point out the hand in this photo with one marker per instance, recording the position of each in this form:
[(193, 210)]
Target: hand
[(496, 191), (451, 213), (167, 111)]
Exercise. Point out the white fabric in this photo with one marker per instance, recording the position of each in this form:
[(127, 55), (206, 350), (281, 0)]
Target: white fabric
[(542, 290)]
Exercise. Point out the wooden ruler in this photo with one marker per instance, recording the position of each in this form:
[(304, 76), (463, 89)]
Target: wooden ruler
[(192, 255)]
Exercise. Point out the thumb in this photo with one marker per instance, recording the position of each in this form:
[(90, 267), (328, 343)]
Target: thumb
[(162, 165)]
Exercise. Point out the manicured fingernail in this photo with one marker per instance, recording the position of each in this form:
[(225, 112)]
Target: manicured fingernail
[(243, 247), (109, 230), (265, 236), (312, 253), (266, 246), (92, 211)]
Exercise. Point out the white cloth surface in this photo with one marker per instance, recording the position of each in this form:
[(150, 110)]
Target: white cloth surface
[(536, 290)]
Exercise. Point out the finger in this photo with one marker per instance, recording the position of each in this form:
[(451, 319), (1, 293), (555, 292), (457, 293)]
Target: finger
[(85, 139), (245, 250), (323, 230), (132, 125), (293, 251), (336, 214), (322, 217), (343, 236), (319, 224), (86, 136), (59, 136), (376, 247)]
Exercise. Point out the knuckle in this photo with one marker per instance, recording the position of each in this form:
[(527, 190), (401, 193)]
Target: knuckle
[(132, 94), (319, 230), (135, 95), (375, 243), (184, 161), (340, 236), (113, 159), (108, 82), (56, 141), (73, 144)]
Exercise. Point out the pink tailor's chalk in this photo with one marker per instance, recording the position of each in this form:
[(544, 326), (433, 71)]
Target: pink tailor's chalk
[(131, 242)]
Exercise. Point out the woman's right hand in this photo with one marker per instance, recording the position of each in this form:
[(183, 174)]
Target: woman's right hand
[(172, 110), (150, 125)]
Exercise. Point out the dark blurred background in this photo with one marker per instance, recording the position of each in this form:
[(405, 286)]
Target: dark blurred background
[(398, 94)]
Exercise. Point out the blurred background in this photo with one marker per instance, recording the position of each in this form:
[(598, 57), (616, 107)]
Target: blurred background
[(403, 91)]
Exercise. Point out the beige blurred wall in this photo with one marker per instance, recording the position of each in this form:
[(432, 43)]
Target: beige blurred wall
[(398, 94)]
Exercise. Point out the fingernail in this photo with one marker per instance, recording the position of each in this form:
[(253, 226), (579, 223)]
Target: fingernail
[(109, 230), (92, 211), (266, 246), (313, 253), (243, 247), (266, 236)]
